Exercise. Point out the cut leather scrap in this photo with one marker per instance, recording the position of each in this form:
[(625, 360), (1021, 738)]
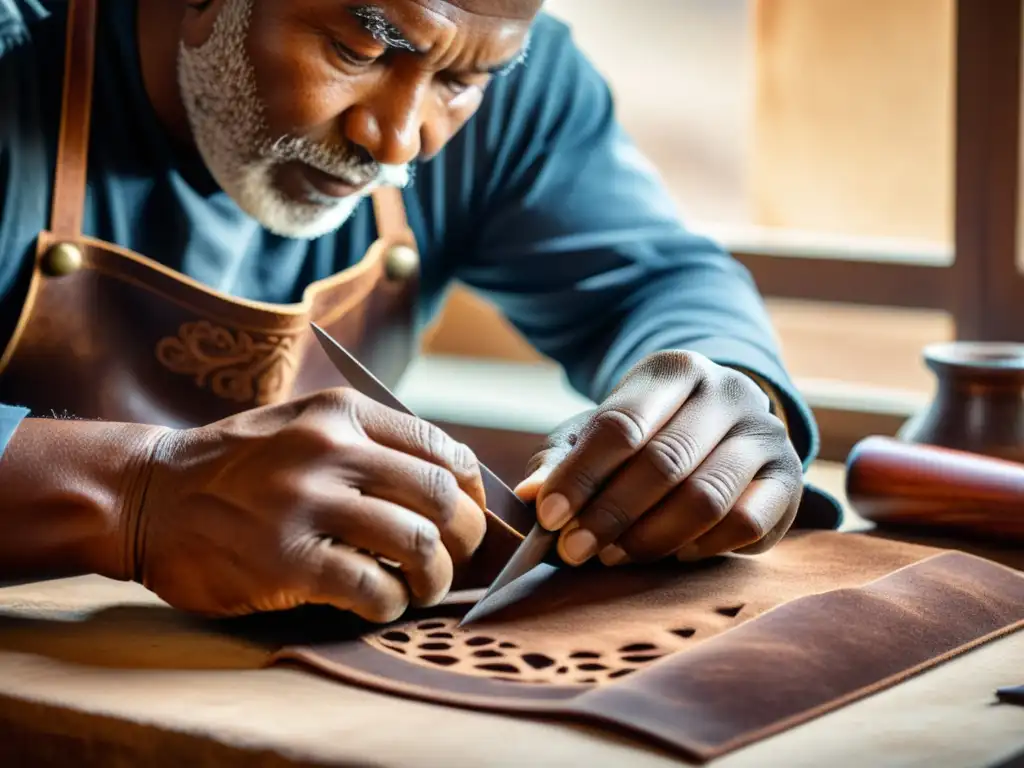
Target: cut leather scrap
[(1014, 695), (701, 659)]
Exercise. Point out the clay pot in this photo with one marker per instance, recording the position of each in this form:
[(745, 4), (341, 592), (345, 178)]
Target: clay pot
[(979, 402)]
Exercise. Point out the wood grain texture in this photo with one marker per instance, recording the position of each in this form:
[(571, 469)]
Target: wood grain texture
[(894, 483)]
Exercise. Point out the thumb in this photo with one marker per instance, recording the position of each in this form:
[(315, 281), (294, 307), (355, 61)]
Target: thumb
[(529, 489), (557, 446)]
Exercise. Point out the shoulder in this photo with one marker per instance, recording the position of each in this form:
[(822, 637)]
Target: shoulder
[(31, 73), (555, 84), (32, 41), (555, 99)]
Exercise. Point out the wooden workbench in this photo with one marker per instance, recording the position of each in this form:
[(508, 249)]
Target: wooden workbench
[(95, 672)]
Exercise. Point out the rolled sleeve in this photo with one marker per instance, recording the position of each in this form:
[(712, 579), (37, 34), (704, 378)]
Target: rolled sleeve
[(10, 418)]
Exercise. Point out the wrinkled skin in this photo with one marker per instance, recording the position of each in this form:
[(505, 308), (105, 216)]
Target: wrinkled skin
[(683, 459), (299, 503)]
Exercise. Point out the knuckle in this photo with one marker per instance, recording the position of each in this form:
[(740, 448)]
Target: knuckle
[(712, 491), (622, 425), (424, 543), (749, 527), (608, 518), (736, 388), (432, 439), (341, 398), (463, 460), (672, 454), (456, 456), (585, 481), (308, 438), (441, 490), (366, 586)]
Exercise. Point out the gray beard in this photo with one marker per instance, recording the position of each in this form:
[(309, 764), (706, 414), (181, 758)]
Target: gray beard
[(218, 87)]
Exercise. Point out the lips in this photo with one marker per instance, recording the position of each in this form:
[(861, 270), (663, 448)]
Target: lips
[(329, 185)]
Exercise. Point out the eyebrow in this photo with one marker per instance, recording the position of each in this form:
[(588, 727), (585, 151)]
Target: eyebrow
[(375, 23)]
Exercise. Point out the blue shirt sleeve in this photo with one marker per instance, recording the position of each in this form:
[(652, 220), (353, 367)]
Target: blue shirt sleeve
[(584, 252), (10, 417)]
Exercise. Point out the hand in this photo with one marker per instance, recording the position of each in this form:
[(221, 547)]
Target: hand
[(684, 458), (300, 503)]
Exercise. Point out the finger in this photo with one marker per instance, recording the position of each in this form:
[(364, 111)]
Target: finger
[(764, 505), (615, 432), (416, 437), (528, 489), (397, 534), (664, 464), (695, 506), (556, 447), (355, 582), (425, 488)]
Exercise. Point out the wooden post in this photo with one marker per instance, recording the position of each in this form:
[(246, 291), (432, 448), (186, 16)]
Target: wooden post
[(988, 289)]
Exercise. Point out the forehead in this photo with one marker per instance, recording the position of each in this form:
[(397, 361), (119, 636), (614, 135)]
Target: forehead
[(462, 16), (512, 10)]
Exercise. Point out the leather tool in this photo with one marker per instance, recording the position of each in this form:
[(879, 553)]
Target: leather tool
[(501, 499)]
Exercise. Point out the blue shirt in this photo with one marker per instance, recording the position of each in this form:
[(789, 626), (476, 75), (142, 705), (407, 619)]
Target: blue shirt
[(541, 203)]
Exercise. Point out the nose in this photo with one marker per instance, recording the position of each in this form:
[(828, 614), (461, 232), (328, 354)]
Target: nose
[(387, 121)]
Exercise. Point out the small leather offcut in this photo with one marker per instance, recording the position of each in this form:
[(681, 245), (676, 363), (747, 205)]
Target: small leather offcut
[(1013, 695), (703, 658)]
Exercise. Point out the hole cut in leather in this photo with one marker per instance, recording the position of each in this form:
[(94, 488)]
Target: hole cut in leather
[(482, 655), (703, 658)]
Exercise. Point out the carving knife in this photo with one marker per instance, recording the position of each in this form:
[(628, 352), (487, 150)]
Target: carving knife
[(501, 499)]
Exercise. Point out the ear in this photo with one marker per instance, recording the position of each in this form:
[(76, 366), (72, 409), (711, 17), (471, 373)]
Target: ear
[(197, 23)]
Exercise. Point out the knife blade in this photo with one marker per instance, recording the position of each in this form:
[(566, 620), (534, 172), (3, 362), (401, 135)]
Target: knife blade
[(501, 500), (531, 553)]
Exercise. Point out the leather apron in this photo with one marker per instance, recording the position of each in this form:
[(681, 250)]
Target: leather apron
[(109, 334)]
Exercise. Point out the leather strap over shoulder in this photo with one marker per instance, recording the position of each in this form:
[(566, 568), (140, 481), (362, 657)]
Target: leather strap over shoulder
[(392, 223), (76, 113)]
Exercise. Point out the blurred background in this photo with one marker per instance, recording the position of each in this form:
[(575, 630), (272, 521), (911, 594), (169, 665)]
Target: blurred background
[(815, 139)]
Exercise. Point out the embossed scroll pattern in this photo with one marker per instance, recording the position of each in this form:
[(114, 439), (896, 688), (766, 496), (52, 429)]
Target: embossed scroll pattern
[(235, 365)]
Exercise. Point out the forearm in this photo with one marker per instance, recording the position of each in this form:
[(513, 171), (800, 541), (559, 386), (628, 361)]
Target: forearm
[(65, 487)]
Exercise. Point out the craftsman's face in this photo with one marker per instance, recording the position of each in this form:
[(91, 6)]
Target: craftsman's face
[(301, 107)]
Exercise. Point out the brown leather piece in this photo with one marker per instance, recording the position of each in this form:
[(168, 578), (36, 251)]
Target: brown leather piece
[(702, 658), (158, 348)]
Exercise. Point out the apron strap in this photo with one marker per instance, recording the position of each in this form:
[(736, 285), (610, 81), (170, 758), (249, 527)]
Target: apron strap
[(389, 211), (75, 121)]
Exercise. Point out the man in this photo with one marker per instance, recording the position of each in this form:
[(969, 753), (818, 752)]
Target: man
[(235, 142)]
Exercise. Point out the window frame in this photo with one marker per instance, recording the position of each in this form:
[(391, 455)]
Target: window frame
[(983, 287)]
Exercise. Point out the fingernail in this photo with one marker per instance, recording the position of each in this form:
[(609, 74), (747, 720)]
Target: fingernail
[(613, 555), (580, 546), (688, 554), (554, 512)]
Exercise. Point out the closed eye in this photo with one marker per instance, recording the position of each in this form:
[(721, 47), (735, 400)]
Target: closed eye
[(349, 56)]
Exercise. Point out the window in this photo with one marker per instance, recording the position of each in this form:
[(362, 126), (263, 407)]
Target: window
[(859, 156)]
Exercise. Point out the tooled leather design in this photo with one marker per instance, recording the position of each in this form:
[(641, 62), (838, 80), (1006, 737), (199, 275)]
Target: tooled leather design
[(234, 365), (516, 658)]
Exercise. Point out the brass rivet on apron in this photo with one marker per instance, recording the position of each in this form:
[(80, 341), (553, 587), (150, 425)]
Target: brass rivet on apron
[(401, 263), (62, 259)]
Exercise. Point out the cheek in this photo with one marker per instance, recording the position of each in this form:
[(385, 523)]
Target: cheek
[(448, 119), (300, 92)]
